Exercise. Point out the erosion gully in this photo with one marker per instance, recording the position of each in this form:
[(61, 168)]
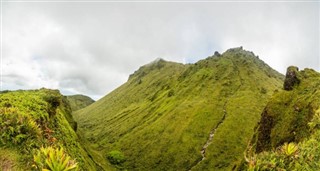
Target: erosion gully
[(213, 131)]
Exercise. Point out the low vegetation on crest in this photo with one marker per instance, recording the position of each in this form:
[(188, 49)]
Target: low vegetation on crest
[(30, 120)]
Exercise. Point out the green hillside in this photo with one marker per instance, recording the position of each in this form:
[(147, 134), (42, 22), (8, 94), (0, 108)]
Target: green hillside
[(288, 136), (30, 120), (79, 101), (170, 116)]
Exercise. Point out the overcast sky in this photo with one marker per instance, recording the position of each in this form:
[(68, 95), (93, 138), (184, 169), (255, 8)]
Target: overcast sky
[(92, 47)]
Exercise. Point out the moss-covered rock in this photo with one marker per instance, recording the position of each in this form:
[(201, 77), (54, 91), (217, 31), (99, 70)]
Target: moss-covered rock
[(286, 116)]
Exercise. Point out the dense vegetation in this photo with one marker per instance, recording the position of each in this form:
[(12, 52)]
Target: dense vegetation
[(288, 136), (170, 116), (229, 111), (31, 122), (79, 101)]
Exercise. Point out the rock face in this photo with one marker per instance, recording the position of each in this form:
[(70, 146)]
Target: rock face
[(216, 53), (266, 125), (291, 78)]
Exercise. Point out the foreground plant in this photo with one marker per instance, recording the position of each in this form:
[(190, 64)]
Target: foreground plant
[(289, 149), (301, 156), (53, 159)]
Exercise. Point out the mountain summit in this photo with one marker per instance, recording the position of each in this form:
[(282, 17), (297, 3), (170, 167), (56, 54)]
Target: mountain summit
[(171, 116)]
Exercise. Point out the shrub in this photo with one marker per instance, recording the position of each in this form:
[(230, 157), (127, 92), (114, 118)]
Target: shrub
[(116, 157), (16, 127), (53, 159), (263, 90), (170, 93), (54, 100), (289, 149)]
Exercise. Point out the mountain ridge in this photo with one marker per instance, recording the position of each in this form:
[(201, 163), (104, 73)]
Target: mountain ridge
[(79, 101), (171, 108), (230, 111)]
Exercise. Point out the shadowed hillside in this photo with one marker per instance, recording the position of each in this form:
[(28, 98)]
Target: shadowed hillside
[(79, 101), (170, 116)]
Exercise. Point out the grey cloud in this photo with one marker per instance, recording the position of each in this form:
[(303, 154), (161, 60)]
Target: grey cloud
[(91, 48)]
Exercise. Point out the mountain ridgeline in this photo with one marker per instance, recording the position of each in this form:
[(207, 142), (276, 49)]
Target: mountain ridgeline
[(230, 111), (171, 116), (79, 101)]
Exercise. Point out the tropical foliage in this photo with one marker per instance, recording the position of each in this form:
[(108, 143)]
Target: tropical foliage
[(290, 156), (53, 159), (32, 119), (226, 112)]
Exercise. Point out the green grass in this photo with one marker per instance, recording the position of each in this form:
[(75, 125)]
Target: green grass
[(162, 116), (35, 118)]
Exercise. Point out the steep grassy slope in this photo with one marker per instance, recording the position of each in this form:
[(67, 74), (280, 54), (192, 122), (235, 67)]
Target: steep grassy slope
[(291, 116), (79, 101), (33, 119), (170, 116)]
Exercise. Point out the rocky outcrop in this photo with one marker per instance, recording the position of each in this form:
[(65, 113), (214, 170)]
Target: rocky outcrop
[(266, 125), (291, 78), (288, 113), (216, 53)]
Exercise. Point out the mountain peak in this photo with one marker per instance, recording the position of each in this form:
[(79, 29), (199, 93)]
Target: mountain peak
[(155, 65), (181, 107), (240, 50), (157, 60)]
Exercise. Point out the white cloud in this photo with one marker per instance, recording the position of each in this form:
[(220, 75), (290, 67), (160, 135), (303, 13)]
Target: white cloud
[(91, 48)]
